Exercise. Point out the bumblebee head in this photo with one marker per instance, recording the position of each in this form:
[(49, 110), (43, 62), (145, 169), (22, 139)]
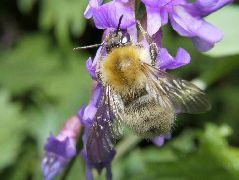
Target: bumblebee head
[(117, 38)]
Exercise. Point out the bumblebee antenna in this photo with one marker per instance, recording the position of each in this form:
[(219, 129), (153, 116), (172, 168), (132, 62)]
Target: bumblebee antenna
[(87, 47), (118, 27)]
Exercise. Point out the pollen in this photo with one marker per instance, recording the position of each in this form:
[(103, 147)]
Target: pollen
[(122, 68)]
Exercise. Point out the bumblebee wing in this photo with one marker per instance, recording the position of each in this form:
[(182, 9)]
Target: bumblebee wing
[(184, 96), (101, 133), (117, 106)]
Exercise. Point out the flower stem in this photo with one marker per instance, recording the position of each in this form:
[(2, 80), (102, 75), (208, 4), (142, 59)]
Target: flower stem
[(126, 145)]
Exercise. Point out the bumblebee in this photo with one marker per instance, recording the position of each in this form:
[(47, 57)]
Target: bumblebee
[(137, 94)]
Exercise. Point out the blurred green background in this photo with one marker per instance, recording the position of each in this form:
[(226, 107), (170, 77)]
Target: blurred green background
[(43, 82)]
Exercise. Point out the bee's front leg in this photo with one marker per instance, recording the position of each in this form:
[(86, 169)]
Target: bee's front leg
[(153, 49), (98, 71)]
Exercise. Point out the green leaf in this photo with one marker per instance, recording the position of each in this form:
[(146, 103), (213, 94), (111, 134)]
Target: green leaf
[(225, 19), (182, 158), (12, 128), (59, 83), (65, 17), (29, 64), (25, 5)]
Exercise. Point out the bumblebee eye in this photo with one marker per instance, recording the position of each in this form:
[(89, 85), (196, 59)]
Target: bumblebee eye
[(125, 38)]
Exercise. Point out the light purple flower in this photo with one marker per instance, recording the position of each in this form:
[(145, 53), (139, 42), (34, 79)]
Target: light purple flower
[(108, 14), (61, 149), (91, 65), (160, 140), (166, 61), (186, 18), (86, 114)]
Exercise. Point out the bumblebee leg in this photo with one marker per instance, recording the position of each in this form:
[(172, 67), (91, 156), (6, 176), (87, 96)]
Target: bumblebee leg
[(98, 68), (139, 45), (153, 49), (98, 72)]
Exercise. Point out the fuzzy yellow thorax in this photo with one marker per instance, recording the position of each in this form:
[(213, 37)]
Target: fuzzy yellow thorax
[(122, 68)]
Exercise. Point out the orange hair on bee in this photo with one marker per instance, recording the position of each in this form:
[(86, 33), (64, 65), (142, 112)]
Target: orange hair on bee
[(122, 69)]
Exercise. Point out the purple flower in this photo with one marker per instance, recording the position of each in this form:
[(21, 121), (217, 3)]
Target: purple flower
[(61, 149), (159, 140), (86, 115), (91, 65), (186, 18), (166, 61), (107, 15)]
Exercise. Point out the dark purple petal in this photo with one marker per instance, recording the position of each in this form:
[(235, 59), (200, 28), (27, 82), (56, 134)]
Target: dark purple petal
[(99, 166), (108, 172), (108, 15), (166, 61), (52, 165), (58, 154), (206, 7), (61, 149)]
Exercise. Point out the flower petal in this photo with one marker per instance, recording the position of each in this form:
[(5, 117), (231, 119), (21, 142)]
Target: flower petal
[(154, 20), (88, 10), (183, 22), (156, 3), (206, 7), (206, 36), (166, 61), (187, 25), (61, 149), (159, 140), (201, 44), (208, 32), (108, 15), (52, 165), (90, 68)]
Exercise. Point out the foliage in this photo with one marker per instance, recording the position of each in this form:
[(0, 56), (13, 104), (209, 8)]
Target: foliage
[(43, 82)]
